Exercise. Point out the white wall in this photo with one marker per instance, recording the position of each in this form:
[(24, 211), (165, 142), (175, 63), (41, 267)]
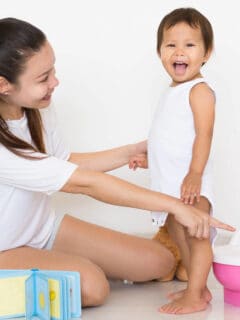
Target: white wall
[(111, 79)]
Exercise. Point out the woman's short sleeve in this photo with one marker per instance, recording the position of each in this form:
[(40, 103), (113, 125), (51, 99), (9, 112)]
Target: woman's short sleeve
[(46, 175), (54, 142)]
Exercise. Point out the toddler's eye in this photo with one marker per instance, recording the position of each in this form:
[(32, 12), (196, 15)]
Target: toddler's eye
[(170, 45), (190, 45)]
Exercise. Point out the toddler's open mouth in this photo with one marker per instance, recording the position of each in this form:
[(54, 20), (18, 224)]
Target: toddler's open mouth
[(180, 68)]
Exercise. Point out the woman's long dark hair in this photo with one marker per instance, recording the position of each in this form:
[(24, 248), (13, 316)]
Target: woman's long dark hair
[(19, 40)]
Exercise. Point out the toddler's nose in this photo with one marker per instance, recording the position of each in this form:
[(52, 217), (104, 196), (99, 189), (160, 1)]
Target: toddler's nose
[(179, 52)]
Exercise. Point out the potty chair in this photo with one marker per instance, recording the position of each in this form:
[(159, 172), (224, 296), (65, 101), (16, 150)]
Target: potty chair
[(226, 268)]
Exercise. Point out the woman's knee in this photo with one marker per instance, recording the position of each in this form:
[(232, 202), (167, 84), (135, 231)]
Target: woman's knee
[(161, 262), (157, 261), (94, 287)]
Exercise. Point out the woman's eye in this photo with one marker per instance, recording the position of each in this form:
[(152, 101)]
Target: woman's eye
[(44, 79)]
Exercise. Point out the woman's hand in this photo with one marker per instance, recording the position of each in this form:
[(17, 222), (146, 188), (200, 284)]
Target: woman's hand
[(198, 222), (138, 161), (139, 158)]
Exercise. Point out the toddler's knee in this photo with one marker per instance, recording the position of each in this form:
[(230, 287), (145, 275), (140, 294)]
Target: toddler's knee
[(95, 289)]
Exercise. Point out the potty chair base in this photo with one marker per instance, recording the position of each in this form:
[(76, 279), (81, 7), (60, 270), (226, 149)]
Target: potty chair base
[(232, 297), (226, 268)]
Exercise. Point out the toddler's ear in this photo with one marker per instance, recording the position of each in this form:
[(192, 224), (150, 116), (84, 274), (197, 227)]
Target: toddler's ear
[(207, 55)]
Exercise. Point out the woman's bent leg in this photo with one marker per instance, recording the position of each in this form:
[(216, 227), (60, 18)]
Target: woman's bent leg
[(94, 285), (119, 255)]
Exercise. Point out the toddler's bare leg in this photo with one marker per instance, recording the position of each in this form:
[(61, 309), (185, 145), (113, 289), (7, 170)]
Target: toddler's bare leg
[(177, 233), (196, 296)]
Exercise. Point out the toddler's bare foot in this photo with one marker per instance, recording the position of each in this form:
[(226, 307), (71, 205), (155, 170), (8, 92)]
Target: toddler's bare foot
[(206, 295), (186, 304)]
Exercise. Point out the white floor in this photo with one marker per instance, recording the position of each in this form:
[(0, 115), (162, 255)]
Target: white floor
[(141, 301)]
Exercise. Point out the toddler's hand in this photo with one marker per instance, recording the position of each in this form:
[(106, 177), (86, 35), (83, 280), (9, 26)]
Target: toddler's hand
[(138, 161), (191, 187)]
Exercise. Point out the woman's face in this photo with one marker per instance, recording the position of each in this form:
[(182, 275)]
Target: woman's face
[(37, 82)]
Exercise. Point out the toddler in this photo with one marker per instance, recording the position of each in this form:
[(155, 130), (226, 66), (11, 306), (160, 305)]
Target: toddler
[(179, 145)]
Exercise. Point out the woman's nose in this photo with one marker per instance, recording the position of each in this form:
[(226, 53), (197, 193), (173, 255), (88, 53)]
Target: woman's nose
[(54, 83)]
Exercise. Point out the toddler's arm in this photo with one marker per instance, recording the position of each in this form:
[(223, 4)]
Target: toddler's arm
[(202, 101)]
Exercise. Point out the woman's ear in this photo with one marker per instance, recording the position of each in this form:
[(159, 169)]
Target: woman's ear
[(4, 86)]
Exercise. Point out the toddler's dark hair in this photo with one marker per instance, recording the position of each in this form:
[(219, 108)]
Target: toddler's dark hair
[(193, 18)]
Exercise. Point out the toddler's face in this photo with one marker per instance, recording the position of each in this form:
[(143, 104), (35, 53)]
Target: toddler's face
[(183, 52)]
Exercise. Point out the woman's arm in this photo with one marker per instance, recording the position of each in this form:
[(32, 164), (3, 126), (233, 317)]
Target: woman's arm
[(109, 159), (115, 191)]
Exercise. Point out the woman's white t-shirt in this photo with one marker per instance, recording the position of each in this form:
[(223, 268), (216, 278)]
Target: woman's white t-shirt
[(26, 213)]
